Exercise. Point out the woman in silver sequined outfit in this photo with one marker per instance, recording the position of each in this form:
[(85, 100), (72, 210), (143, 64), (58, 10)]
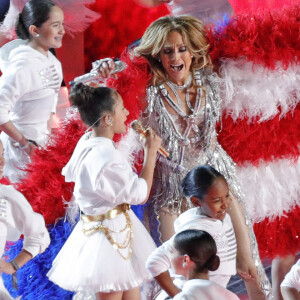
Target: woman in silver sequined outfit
[(183, 108)]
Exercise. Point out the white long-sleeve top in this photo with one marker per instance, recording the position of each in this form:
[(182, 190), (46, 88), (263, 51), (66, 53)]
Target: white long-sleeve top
[(29, 87), (292, 278), (17, 218), (103, 177), (222, 232), (200, 289)]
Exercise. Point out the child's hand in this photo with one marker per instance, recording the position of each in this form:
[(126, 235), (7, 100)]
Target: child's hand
[(6, 267), (246, 268), (152, 142)]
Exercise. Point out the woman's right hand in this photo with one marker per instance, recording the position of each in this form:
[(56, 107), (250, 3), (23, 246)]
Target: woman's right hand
[(105, 67)]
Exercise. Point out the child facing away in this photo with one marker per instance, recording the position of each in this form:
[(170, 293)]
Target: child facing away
[(209, 193), (106, 252), (195, 255), (17, 218)]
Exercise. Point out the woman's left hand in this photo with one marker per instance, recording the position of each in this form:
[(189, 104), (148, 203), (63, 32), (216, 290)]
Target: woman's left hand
[(6, 267)]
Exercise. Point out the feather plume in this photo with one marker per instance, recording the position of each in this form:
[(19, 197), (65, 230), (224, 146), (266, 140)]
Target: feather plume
[(77, 16)]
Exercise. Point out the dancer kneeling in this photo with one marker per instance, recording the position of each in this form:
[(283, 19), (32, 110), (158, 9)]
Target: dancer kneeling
[(209, 192), (195, 255), (107, 250)]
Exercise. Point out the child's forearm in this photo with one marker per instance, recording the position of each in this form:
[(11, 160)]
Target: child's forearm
[(20, 260), (165, 281), (148, 170)]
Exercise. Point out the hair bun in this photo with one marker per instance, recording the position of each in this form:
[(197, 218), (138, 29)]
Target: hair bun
[(81, 94), (213, 263)]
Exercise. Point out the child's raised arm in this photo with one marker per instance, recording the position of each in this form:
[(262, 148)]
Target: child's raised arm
[(151, 145)]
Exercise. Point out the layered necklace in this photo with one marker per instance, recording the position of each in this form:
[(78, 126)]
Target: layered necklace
[(174, 87), (178, 109)]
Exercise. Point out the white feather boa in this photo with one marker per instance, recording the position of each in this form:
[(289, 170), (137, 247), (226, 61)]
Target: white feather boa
[(253, 91), (270, 189), (77, 16)]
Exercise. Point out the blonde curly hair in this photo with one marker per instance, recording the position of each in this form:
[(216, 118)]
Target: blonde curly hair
[(193, 34)]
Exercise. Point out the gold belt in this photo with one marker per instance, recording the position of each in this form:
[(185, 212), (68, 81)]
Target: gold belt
[(112, 213), (127, 243)]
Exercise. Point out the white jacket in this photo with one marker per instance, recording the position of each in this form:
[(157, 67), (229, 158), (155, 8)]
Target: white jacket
[(17, 218), (103, 177), (29, 87)]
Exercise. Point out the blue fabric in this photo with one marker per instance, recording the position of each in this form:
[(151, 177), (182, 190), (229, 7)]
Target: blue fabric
[(33, 284), (222, 23)]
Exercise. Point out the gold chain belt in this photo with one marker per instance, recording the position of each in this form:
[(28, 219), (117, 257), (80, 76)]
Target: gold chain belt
[(112, 213), (99, 227)]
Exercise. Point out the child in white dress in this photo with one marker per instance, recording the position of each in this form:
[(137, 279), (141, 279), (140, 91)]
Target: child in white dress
[(196, 254), (107, 250)]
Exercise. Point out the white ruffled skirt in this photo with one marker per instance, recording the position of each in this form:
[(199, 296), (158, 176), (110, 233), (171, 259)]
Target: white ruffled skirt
[(92, 263)]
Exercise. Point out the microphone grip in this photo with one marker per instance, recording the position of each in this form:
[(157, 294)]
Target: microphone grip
[(94, 75), (161, 150), (88, 77), (137, 127)]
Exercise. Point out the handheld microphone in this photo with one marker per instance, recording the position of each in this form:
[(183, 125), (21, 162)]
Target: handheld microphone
[(138, 127), (94, 75)]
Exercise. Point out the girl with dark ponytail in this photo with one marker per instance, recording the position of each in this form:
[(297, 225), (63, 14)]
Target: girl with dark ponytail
[(195, 255), (30, 83), (35, 12), (106, 252)]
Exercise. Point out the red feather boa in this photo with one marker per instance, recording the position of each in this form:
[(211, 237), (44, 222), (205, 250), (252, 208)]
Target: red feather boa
[(263, 38), (242, 6), (132, 83), (268, 141), (44, 186), (279, 237), (121, 23)]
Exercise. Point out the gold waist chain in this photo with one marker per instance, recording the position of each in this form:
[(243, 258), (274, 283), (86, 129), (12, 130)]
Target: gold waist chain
[(128, 242)]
